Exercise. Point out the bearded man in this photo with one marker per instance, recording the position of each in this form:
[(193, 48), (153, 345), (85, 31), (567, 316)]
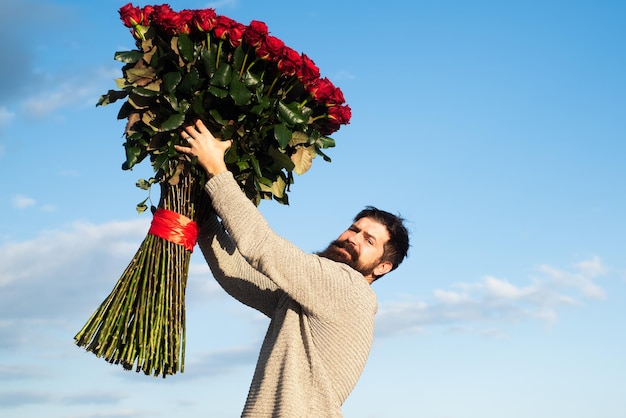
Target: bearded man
[(321, 306)]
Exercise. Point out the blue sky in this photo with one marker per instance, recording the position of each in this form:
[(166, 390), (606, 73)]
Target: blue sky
[(496, 128)]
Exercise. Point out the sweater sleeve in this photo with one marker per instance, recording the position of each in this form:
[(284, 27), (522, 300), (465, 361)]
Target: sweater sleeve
[(319, 285), (233, 272)]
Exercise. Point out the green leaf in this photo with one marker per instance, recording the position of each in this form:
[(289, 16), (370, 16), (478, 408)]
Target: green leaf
[(228, 131), (143, 92), (290, 113), (111, 97), (251, 80), (129, 57), (231, 156), (217, 92), (238, 58), (190, 81), (186, 47), (242, 165), (125, 110), (173, 122), (160, 162), (325, 142), (208, 59), (198, 103), (240, 94), (132, 157), (263, 104), (281, 159), (283, 135), (324, 156), (142, 207), (171, 80), (217, 117), (256, 166), (143, 184), (223, 75)]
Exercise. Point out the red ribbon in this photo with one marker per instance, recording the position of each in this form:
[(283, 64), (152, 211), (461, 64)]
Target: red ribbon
[(174, 227)]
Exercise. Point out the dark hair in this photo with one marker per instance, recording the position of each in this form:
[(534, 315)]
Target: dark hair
[(396, 249)]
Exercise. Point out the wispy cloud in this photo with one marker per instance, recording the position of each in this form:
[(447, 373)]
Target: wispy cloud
[(6, 116), (18, 398), (9, 372), (222, 361), (487, 306), (62, 275), (22, 202), (77, 267), (59, 97)]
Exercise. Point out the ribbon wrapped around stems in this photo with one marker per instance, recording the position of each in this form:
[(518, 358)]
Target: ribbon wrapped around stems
[(174, 227)]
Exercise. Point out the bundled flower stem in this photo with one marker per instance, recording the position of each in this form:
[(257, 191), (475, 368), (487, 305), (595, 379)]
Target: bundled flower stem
[(246, 86), (141, 324)]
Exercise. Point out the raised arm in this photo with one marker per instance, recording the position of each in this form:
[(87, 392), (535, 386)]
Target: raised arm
[(233, 272), (320, 285)]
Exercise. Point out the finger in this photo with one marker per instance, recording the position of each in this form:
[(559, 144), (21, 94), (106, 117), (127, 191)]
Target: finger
[(190, 132), (225, 145), (184, 150), (202, 127)]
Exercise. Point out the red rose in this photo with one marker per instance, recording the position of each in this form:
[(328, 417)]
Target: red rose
[(341, 114), (270, 48), (222, 26), (167, 19), (204, 20), (147, 15), (186, 21), (309, 72), (131, 15), (289, 62), (255, 33), (236, 34), (322, 90), (336, 97)]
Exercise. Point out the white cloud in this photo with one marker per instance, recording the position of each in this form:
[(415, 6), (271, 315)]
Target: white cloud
[(486, 306), (5, 117), (221, 362), (62, 96), (21, 201), (51, 282), (48, 208)]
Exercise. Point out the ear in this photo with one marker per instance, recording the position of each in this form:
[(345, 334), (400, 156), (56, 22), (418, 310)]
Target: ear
[(383, 268)]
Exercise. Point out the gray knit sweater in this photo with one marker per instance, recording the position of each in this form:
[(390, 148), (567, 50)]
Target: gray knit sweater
[(321, 311)]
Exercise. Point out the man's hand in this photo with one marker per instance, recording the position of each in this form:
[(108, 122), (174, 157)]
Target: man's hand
[(209, 150)]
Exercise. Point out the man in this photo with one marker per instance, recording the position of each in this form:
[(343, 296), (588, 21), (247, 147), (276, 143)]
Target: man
[(321, 305)]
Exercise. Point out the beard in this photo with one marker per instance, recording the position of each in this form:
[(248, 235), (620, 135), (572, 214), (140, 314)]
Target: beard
[(333, 252)]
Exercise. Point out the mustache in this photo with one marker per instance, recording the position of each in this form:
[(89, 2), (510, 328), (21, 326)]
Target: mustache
[(346, 246)]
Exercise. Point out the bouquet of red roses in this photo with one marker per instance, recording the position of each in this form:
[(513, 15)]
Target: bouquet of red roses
[(245, 85)]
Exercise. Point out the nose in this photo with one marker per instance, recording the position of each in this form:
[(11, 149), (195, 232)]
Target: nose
[(353, 239)]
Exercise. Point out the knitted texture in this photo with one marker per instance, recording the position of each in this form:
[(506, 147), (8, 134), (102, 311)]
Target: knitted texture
[(321, 311)]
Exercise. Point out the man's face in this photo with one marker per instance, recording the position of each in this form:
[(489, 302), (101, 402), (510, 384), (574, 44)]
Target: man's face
[(361, 247)]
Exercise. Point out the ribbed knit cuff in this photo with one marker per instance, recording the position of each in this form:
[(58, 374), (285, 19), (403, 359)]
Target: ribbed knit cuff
[(216, 182)]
